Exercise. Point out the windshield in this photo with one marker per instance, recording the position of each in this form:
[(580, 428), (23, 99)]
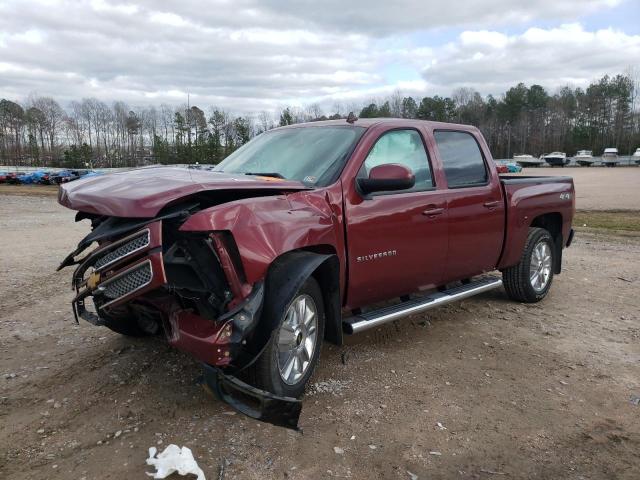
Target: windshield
[(312, 155)]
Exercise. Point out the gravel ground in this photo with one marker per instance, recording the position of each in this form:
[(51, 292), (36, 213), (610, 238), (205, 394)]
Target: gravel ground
[(600, 188), (486, 388)]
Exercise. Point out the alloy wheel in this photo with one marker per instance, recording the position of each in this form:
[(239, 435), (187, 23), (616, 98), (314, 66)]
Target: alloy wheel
[(540, 266), (297, 339)]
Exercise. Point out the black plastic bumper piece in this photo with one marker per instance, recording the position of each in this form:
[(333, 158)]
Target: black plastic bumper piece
[(251, 401), (79, 310)]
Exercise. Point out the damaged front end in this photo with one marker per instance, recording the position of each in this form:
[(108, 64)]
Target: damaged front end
[(147, 274)]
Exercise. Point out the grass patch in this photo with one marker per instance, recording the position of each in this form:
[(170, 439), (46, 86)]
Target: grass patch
[(39, 190), (623, 220)]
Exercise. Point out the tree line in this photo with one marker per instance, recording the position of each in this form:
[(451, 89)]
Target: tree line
[(525, 119), (530, 120)]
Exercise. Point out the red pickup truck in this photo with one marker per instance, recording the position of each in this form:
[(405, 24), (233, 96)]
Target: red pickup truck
[(299, 236)]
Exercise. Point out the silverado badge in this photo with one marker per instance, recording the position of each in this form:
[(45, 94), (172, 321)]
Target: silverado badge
[(375, 256)]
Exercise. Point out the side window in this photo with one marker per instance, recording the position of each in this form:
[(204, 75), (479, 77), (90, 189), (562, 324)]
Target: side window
[(406, 148), (462, 159)]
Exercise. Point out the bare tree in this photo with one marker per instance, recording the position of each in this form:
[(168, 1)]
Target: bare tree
[(314, 112), (395, 104), (265, 122), (53, 115)]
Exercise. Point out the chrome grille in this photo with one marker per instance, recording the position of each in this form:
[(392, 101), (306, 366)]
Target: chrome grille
[(136, 243), (127, 282)]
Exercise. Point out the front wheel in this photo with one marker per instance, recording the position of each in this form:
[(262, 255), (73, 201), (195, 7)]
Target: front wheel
[(292, 353), (530, 280)]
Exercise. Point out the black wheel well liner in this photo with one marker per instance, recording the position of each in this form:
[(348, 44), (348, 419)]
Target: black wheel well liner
[(552, 222), (289, 271)]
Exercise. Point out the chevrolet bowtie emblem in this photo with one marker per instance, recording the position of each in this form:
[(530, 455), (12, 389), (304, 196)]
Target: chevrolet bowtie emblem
[(92, 281)]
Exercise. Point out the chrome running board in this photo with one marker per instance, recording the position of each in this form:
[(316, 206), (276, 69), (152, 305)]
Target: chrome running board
[(365, 321)]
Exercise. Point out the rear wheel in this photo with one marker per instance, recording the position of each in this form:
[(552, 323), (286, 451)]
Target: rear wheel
[(530, 280), (294, 347)]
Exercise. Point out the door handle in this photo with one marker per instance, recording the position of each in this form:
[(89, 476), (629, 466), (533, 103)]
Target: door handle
[(491, 205), (433, 211)]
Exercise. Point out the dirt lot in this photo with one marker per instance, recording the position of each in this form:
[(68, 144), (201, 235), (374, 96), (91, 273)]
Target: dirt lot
[(483, 389), (600, 188)]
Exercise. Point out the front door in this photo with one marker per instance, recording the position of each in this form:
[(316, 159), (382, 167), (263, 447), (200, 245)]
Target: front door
[(397, 241)]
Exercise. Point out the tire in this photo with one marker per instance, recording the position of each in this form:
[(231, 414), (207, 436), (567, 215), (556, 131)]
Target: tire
[(520, 281), (272, 371)]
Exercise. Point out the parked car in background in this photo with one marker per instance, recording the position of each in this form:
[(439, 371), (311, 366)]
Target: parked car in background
[(14, 177), (58, 177), (44, 179), (37, 177), (65, 176), (41, 177), (299, 235), (3, 177), (502, 168), (26, 178), (514, 168)]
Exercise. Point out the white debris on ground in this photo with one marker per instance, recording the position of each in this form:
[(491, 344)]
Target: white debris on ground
[(334, 387), (173, 459)]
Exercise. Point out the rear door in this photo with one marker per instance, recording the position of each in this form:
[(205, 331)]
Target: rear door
[(396, 241), (474, 205)]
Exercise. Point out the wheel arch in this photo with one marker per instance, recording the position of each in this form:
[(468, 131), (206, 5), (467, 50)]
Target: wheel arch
[(288, 272), (552, 222)]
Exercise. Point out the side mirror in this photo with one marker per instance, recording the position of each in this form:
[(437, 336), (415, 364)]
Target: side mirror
[(387, 177)]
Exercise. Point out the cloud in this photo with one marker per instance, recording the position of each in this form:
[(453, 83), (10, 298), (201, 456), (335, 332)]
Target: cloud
[(554, 57), (381, 17), (250, 55)]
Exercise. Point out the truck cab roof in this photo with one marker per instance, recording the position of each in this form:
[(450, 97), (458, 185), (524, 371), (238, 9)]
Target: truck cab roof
[(391, 122)]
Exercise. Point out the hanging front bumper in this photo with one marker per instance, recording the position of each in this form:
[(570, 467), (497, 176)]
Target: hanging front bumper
[(252, 401)]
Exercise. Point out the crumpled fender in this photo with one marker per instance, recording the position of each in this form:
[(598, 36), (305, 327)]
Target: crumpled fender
[(264, 228)]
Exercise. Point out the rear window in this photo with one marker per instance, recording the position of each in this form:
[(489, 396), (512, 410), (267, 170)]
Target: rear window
[(462, 159)]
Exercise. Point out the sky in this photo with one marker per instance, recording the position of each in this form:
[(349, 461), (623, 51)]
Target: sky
[(255, 55)]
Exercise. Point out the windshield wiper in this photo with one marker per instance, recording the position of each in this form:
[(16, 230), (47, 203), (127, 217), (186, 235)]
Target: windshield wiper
[(266, 174)]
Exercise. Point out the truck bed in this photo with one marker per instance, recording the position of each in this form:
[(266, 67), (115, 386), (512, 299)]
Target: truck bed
[(530, 197)]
